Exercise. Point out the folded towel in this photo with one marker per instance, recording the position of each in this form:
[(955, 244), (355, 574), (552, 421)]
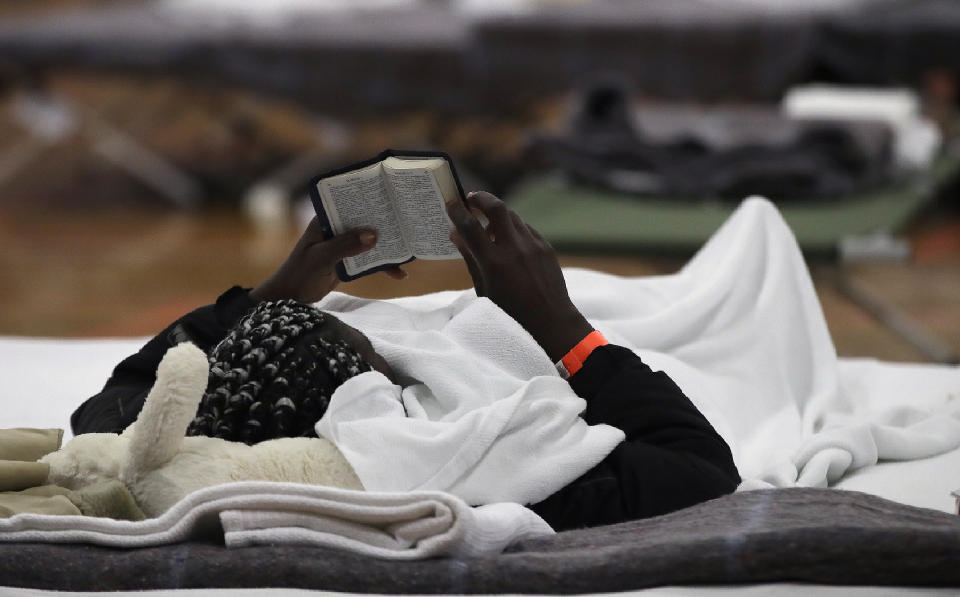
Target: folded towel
[(403, 526), (395, 526)]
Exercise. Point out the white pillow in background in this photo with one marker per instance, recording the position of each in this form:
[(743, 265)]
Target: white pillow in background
[(916, 139)]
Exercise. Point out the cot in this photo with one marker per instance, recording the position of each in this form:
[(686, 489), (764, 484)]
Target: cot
[(882, 436)]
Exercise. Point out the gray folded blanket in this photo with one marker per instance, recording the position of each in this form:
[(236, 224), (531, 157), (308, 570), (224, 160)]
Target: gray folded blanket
[(810, 535)]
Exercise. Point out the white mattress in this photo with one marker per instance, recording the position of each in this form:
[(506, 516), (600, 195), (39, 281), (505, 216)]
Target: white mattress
[(45, 379)]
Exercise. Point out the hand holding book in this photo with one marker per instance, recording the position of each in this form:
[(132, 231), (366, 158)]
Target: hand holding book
[(373, 216), (402, 196), (309, 273), (513, 266), (391, 209)]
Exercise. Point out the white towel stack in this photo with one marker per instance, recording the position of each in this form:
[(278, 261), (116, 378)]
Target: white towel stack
[(402, 526)]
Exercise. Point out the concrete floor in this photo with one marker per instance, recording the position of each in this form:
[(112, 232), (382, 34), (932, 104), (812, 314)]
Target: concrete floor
[(128, 273)]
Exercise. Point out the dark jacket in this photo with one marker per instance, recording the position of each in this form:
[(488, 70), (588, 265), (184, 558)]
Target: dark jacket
[(671, 458)]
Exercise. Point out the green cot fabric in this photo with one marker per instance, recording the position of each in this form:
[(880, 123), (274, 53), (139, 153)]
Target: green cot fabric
[(108, 499), (22, 478), (578, 218), (28, 445), (16, 475), (45, 499), (23, 489), (19, 451)]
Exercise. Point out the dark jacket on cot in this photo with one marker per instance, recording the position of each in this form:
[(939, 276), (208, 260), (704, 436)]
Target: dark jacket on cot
[(672, 458)]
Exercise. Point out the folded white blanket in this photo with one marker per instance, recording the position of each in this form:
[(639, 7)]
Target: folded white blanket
[(739, 328), (402, 526)]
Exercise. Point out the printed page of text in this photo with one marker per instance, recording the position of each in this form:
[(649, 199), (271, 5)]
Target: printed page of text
[(360, 199), (422, 213)]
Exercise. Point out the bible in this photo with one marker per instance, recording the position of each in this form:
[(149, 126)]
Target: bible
[(400, 194)]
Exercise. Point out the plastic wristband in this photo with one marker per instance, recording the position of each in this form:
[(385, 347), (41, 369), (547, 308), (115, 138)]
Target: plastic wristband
[(573, 360)]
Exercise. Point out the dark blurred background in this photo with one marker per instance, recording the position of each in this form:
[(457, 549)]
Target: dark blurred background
[(154, 154)]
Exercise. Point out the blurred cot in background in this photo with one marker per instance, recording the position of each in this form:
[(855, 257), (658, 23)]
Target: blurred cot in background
[(621, 130)]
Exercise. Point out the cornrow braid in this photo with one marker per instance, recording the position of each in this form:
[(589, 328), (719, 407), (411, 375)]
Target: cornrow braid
[(273, 375)]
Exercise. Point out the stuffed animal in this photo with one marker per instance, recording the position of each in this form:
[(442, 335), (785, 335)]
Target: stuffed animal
[(159, 465)]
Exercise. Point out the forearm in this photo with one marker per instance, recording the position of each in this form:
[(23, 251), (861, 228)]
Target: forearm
[(621, 390), (635, 480), (557, 334), (671, 458), (117, 405)]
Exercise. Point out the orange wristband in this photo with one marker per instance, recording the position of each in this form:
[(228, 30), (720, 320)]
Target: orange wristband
[(573, 360)]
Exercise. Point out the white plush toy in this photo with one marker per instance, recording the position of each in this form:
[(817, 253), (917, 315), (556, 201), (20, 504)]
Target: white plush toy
[(159, 465)]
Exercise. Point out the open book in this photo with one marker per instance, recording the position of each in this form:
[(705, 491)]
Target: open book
[(400, 194)]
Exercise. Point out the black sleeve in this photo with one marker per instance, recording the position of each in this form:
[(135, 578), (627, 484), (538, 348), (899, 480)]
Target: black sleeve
[(120, 401), (671, 458)]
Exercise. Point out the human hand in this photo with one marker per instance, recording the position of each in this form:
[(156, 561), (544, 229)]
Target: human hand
[(309, 273), (513, 266)]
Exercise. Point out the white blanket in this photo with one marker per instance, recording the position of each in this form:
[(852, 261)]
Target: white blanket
[(483, 413), (739, 328), (401, 526)]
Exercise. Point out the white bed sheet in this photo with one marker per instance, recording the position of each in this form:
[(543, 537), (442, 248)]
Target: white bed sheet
[(926, 482), (44, 379)]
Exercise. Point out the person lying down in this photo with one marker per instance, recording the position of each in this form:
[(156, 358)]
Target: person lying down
[(276, 362)]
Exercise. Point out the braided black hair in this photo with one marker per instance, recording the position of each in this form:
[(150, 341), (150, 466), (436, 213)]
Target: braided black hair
[(273, 375)]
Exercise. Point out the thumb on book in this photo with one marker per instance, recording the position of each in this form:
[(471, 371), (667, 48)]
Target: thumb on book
[(350, 243)]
